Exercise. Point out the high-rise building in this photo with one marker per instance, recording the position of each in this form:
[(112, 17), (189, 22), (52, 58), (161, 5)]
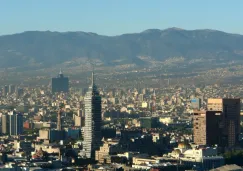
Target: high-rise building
[(60, 83), (214, 127), (12, 123), (5, 90), (92, 128), (11, 89), (207, 127), (199, 128), (230, 119), (19, 91), (5, 124), (15, 123)]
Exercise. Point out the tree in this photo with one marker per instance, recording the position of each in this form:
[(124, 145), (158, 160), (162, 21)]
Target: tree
[(234, 157)]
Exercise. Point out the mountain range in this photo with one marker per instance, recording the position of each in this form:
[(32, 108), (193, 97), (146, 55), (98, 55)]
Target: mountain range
[(46, 48)]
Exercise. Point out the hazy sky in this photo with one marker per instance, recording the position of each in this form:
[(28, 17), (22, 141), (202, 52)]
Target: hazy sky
[(113, 17)]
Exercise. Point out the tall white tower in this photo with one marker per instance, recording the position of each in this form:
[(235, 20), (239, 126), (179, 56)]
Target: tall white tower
[(92, 128)]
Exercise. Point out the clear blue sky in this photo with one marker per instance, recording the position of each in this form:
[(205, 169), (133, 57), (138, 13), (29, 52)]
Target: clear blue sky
[(114, 17)]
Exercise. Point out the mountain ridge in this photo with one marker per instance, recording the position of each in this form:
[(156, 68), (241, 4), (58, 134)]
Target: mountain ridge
[(166, 29), (49, 48)]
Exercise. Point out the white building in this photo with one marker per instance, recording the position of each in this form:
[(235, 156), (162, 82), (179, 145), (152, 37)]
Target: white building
[(200, 156)]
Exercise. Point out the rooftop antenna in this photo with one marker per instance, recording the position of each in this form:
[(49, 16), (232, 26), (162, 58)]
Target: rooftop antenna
[(92, 81), (60, 72), (92, 78)]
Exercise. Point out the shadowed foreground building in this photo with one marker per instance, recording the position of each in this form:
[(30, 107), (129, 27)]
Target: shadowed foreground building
[(230, 119), (220, 124), (207, 127)]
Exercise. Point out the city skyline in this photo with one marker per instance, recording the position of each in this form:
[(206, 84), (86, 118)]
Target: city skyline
[(169, 76)]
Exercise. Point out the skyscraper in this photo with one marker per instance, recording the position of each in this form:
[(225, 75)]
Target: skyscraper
[(19, 91), (214, 124), (207, 127), (5, 124), (199, 127), (92, 128), (15, 123), (5, 90), (11, 89), (230, 119), (60, 83)]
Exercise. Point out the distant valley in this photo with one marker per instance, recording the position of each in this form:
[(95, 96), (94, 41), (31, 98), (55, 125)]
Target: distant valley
[(156, 51)]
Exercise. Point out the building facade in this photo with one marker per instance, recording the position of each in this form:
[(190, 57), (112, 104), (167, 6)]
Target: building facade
[(92, 128), (15, 123), (60, 83), (5, 124), (196, 103), (230, 124), (199, 127), (199, 157), (208, 128), (5, 90)]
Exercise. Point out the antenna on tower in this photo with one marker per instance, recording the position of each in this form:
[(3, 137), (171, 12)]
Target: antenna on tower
[(92, 79), (60, 72), (93, 68)]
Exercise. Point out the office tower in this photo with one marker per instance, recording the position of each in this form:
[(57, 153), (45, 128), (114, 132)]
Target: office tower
[(214, 127), (207, 127), (92, 128), (11, 89), (231, 119), (5, 90), (19, 92), (60, 83), (5, 124), (196, 103), (15, 123), (199, 127)]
